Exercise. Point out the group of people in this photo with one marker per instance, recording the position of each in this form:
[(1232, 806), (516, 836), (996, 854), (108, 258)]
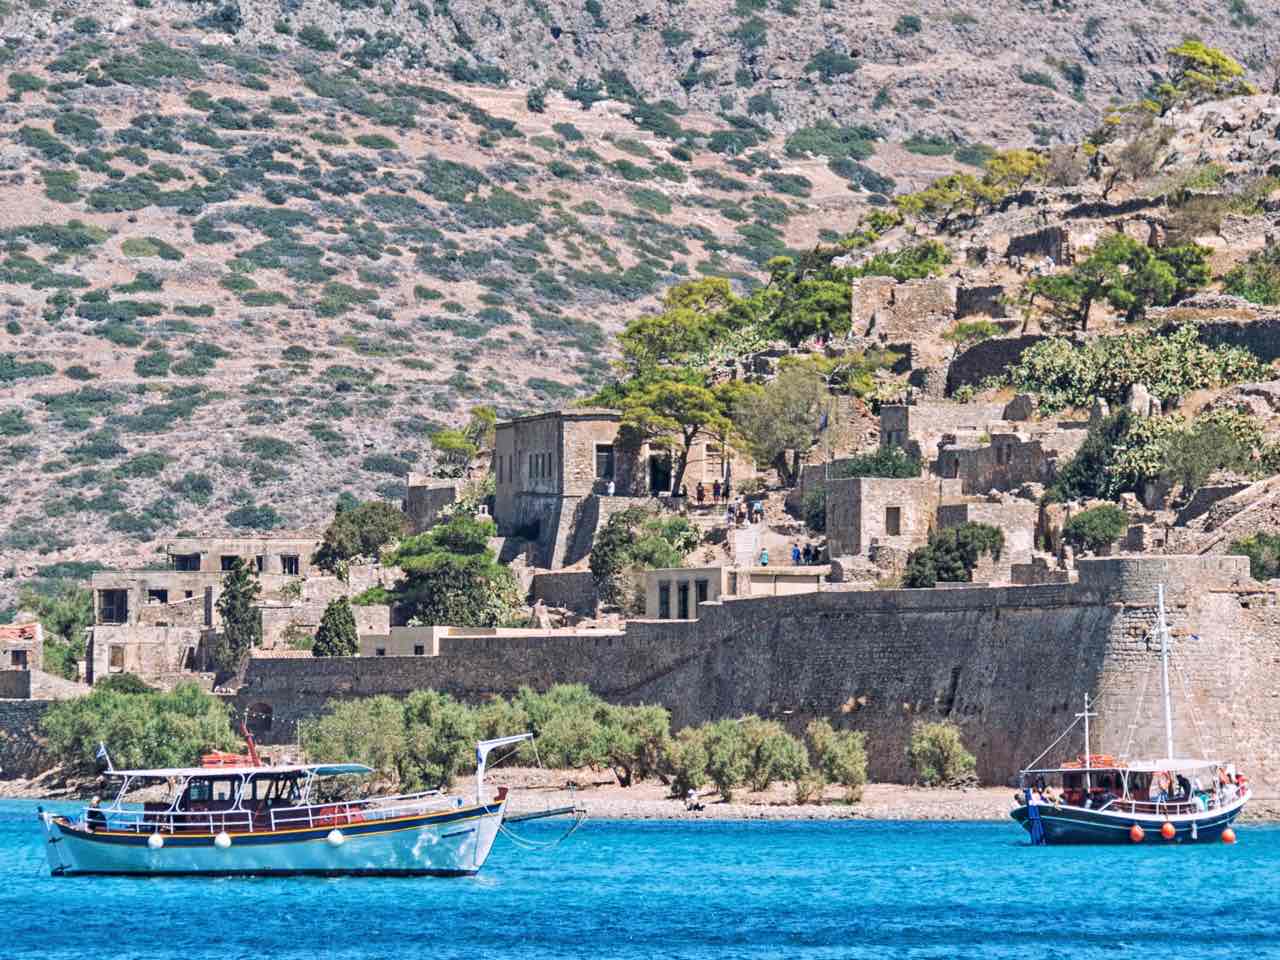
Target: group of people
[(805, 556), (719, 491), (740, 511)]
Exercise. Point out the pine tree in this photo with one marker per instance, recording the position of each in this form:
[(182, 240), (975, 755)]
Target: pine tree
[(337, 634), (241, 618)]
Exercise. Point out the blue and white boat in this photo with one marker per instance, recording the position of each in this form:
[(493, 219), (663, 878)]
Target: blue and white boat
[(1097, 798), (230, 818)]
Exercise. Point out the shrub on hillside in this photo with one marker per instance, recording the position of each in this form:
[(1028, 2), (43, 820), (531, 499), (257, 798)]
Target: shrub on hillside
[(1263, 550), (951, 555), (336, 635), (1096, 528), (938, 756)]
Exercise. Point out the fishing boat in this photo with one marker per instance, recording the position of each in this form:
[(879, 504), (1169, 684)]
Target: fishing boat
[(236, 816), (1097, 798)]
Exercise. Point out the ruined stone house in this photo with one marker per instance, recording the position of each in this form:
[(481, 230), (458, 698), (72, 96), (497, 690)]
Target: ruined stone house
[(559, 475), (867, 512), (160, 622), (22, 646)]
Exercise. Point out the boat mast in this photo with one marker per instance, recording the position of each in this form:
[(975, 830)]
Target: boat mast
[(1088, 750), (1164, 671)]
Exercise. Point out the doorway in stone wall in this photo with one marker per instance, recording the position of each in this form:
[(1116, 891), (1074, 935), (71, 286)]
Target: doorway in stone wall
[(659, 473)]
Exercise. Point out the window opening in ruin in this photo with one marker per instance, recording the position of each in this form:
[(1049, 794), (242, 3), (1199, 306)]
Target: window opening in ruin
[(228, 562), (733, 584), (289, 565), (186, 561), (664, 600), (18, 659), (114, 606), (893, 521), (379, 651), (951, 469), (419, 650), (1003, 453), (701, 589), (115, 661), (682, 601), (260, 563), (604, 461), (187, 594), (157, 596)]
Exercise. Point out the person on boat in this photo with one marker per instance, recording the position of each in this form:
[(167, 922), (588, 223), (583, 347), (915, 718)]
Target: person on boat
[(1184, 788)]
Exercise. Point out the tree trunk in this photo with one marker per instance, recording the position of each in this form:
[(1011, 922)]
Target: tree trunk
[(682, 464)]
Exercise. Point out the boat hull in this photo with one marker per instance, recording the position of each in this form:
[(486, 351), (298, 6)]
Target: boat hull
[(454, 842), (1073, 825)]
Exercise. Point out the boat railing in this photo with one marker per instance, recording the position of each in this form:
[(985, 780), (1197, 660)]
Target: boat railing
[(1163, 808), (343, 813), (167, 821)]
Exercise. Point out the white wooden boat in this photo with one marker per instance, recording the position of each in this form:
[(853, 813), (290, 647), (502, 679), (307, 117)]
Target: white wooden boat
[(232, 818), (1097, 798)]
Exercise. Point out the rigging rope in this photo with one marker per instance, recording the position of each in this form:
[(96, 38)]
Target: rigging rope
[(541, 846), (1195, 714), (1137, 710)]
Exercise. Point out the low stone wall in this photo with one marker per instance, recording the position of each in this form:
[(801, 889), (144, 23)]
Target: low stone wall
[(987, 359), (572, 589), (15, 684)]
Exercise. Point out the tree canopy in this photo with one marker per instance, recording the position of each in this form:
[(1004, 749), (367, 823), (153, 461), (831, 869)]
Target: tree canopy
[(951, 554), (452, 577), (336, 635), (65, 613), (241, 619), (359, 533)]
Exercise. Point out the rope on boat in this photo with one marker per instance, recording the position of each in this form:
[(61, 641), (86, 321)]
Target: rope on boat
[(1191, 704), (1137, 710), (542, 846)]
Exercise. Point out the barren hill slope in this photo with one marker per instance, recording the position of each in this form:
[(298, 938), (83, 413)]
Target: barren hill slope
[(255, 253)]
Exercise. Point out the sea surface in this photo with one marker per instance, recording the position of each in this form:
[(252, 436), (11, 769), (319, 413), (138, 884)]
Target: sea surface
[(684, 890)]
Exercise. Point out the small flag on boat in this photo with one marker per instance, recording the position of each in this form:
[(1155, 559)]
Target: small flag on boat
[(102, 757)]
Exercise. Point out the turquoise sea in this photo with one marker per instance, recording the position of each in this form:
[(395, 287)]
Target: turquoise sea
[(684, 890)]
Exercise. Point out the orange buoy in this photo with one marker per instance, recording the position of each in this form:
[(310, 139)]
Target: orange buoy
[(1136, 833), (1228, 835), (1168, 831)]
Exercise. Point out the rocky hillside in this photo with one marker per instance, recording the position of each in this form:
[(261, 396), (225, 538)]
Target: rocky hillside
[(254, 254)]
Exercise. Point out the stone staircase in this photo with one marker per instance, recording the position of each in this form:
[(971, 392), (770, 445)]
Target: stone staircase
[(745, 542)]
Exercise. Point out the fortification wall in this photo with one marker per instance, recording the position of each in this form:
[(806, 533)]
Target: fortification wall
[(21, 744), (1010, 665)]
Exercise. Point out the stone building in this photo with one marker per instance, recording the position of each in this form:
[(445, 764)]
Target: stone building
[(920, 428), (891, 311), (1005, 461), (676, 593), (1016, 519), (160, 622), (879, 511), (424, 498), (559, 475), (22, 646)]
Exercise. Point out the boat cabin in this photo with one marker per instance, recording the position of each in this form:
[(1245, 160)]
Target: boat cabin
[(1156, 787), (201, 799)]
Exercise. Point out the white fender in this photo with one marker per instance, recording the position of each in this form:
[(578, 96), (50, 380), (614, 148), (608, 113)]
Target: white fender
[(222, 841), (155, 841), (335, 838)]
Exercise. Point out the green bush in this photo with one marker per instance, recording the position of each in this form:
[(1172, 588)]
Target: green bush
[(831, 63), (141, 730), (1263, 551), (1063, 374), (885, 461), (1257, 278), (937, 754), (907, 24), (1096, 528), (316, 39), (254, 517), (772, 753), (839, 757), (827, 140), (951, 554)]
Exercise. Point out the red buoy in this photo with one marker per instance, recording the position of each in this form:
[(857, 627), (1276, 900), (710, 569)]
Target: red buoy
[(1136, 833), (1228, 835), (1168, 831)]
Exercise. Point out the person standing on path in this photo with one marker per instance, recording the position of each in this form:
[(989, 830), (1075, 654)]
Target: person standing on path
[(701, 492), (795, 555)]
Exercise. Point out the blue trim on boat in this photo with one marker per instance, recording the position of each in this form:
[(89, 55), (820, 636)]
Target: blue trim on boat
[(358, 828)]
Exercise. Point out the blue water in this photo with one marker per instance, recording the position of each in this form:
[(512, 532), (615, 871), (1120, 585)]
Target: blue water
[(684, 890)]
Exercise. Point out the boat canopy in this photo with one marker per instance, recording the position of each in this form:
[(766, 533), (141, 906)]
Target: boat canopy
[(1173, 765), (314, 769)]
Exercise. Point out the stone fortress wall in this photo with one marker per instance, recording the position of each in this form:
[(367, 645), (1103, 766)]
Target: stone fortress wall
[(1010, 665)]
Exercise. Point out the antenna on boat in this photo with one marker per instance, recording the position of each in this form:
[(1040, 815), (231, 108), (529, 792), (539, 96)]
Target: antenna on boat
[(1164, 670)]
